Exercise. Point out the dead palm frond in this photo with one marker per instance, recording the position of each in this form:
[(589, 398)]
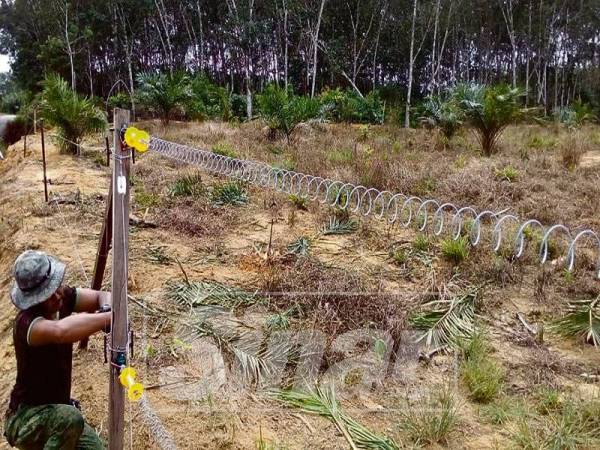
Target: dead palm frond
[(321, 401), (582, 320), (255, 361), (446, 322), (157, 254), (198, 293)]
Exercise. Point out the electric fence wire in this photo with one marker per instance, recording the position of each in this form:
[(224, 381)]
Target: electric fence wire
[(399, 208)]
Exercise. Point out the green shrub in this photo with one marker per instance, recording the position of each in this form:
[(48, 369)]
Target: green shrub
[(208, 100), (72, 115), (455, 250), (119, 100), (347, 106), (502, 411), (164, 93), (489, 109), (283, 111)]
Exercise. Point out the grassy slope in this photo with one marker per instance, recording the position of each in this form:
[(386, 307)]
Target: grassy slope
[(220, 244)]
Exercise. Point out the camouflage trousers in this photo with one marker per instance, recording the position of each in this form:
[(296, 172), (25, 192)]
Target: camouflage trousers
[(50, 427)]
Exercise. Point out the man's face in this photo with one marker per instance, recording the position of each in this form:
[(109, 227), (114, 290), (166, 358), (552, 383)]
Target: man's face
[(54, 302)]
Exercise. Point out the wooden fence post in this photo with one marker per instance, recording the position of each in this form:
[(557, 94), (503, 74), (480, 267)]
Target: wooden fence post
[(44, 163), (119, 323)]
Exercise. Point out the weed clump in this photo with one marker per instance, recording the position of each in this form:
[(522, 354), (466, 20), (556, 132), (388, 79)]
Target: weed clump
[(455, 250), (508, 173), (187, 186), (481, 375), (432, 421)]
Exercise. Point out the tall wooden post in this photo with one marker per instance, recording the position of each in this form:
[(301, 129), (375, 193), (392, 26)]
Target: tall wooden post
[(120, 263), (44, 163)]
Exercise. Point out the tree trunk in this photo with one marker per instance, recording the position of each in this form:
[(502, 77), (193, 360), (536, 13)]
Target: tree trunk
[(316, 49), (411, 62)]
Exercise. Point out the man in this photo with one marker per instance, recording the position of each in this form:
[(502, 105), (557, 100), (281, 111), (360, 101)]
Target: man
[(40, 414)]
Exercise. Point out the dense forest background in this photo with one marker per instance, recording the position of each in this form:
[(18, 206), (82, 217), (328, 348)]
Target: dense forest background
[(406, 49)]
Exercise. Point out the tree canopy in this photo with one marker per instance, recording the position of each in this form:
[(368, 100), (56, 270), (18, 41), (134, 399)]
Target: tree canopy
[(550, 48)]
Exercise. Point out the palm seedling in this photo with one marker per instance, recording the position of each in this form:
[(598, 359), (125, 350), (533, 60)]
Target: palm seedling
[(300, 247), (72, 115), (283, 111), (339, 226), (321, 401), (444, 114), (489, 109), (164, 93), (581, 321), (232, 193)]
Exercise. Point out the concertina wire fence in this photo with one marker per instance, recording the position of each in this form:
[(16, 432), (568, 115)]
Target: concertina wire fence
[(394, 207)]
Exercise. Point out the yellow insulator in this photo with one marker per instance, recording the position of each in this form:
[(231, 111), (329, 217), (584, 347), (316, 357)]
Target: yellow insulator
[(137, 139), (134, 390)]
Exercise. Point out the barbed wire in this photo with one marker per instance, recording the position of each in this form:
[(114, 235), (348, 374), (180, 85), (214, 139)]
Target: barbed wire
[(396, 208)]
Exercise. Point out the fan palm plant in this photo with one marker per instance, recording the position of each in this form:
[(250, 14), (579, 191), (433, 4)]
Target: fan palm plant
[(444, 114), (73, 116), (164, 93), (283, 111), (489, 109)]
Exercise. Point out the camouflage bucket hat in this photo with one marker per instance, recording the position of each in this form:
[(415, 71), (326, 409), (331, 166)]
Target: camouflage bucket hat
[(37, 277)]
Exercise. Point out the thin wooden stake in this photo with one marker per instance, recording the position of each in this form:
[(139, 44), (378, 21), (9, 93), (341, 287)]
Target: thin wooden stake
[(119, 324), (107, 152), (104, 245), (44, 163)]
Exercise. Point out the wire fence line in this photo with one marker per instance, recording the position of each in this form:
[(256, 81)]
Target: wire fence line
[(396, 208)]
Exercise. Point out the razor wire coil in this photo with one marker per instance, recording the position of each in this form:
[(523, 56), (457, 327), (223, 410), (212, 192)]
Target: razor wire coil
[(398, 208)]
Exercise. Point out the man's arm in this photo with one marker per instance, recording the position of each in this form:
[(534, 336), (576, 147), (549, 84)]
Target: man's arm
[(68, 330), (89, 300)]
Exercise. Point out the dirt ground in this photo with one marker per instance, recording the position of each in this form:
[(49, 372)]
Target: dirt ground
[(213, 410)]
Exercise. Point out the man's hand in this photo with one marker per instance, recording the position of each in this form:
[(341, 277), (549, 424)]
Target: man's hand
[(89, 300)]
